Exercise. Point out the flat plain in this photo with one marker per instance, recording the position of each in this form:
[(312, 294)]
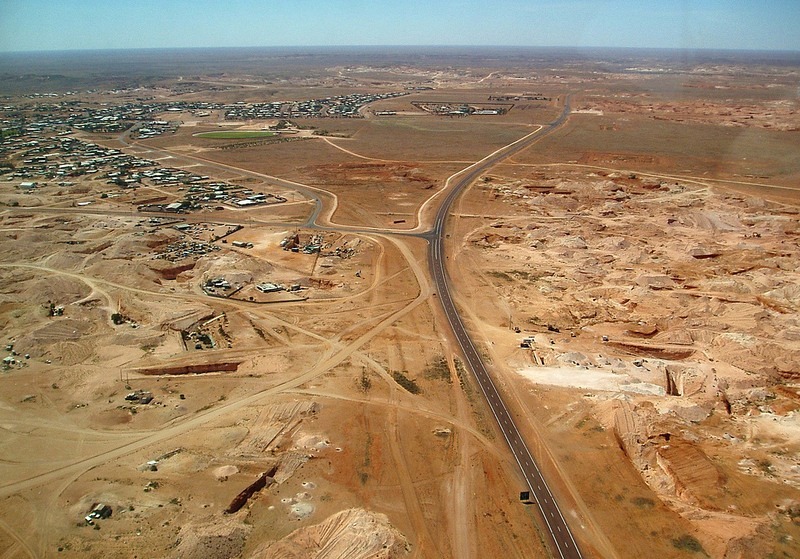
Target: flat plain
[(235, 343)]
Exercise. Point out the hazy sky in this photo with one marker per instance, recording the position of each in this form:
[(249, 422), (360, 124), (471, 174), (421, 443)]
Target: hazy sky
[(102, 24)]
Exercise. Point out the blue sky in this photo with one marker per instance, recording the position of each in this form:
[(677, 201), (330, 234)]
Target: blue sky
[(101, 24)]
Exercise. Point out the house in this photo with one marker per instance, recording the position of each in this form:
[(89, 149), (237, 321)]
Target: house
[(269, 287)]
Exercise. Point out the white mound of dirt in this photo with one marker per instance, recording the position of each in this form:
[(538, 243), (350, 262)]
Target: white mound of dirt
[(317, 442), (217, 538), (590, 379), (349, 534), (224, 472), (302, 510)]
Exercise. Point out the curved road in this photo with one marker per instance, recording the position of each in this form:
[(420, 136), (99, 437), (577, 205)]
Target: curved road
[(560, 535)]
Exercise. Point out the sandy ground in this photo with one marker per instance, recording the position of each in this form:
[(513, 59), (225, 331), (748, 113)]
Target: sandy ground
[(676, 335), (658, 390)]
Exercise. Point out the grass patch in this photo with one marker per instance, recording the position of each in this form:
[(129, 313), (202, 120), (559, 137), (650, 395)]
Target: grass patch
[(235, 134)]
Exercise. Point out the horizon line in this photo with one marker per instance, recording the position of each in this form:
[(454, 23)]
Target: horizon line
[(405, 46)]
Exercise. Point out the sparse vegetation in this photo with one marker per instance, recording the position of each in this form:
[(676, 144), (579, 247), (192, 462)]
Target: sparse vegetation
[(235, 134), (765, 465), (259, 332), (500, 275), (364, 382), (363, 475), (407, 383), (438, 369), (461, 373), (514, 275), (643, 502), (688, 543)]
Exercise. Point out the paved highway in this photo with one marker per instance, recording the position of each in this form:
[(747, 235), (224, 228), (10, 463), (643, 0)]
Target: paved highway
[(561, 537)]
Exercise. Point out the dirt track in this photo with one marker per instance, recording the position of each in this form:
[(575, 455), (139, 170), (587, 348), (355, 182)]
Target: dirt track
[(391, 426)]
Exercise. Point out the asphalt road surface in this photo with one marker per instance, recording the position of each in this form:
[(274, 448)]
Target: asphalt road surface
[(562, 541)]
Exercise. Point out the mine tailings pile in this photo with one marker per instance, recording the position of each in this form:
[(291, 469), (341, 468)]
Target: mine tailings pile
[(241, 499)]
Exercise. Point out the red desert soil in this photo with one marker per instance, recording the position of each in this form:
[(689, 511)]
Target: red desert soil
[(631, 280)]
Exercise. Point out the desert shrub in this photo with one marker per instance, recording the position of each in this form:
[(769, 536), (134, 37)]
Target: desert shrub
[(688, 543), (406, 382)]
